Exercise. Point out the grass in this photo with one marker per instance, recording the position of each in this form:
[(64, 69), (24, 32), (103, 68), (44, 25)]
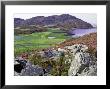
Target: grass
[(39, 40)]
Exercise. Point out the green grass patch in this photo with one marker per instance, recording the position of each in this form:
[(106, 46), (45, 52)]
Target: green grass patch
[(28, 42)]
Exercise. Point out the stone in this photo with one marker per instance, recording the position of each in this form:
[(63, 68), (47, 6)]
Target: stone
[(32, 70), (19, 65), (83, 63), (26, 68)]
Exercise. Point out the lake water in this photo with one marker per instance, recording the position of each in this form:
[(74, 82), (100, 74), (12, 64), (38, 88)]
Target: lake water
[(81, 32), (18, 37)]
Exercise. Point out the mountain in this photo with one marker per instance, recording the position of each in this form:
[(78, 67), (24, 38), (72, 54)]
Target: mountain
[(64, 21), (18, 22)]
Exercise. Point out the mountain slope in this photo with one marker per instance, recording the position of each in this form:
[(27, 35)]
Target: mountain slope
[(64, 21)]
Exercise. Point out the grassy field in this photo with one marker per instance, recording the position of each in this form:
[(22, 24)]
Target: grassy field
[(28, 42)]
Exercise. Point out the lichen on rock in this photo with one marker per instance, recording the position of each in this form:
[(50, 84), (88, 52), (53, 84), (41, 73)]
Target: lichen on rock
[(83, 63)]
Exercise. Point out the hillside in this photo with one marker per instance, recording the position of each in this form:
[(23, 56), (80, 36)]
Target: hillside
[(75, 60), (29, 29), (64, 21), (90, 40)]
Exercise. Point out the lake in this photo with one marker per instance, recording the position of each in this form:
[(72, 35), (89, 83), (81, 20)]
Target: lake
[(81, 32)]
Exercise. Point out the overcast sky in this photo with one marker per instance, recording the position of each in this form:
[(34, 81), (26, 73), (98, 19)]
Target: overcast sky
[(88, 17)]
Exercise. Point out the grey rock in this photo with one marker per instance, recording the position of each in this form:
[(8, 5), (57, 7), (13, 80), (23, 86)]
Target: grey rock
[(83, 63), (28, 69)]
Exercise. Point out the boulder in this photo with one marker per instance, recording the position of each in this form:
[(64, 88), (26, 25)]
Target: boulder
[(19, 64), (23, 67), (83, 63)]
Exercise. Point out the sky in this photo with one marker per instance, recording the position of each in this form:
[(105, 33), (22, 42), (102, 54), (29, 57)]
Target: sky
[(88, 17)]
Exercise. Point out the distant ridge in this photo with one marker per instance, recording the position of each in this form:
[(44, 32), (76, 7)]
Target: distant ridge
[(64, 21)]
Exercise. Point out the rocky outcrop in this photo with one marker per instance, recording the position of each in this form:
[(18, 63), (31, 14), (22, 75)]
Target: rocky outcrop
[(23, 67), (83, 63), (75, 59)]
